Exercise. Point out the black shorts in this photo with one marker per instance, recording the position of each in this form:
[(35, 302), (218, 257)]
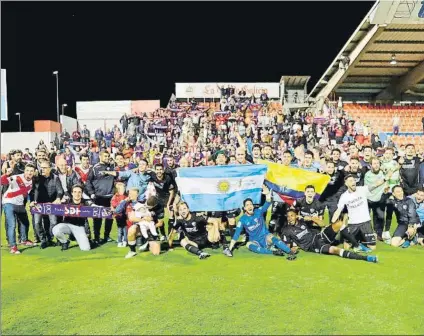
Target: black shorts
[(216, 214), (202, 241), (233, 213), (152, 237), (420, 232), (363, 232), (159, 211), (163, 201), (323, 240), (400, 231)]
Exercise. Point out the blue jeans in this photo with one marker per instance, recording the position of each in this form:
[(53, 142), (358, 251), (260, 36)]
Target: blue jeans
[(122, 234), (122, 229), (108, 143), (11, 218)]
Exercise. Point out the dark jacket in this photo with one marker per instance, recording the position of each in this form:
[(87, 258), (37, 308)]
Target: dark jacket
[(123, 121), (98, 184), (405, 211), (98, 135), (46, 189), (85, 133), (18, 168), (71, 180)]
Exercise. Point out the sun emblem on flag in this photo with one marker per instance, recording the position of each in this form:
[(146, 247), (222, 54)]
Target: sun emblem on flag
[(223, 186)]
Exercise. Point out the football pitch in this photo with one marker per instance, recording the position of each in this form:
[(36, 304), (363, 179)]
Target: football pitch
[(51, 292)]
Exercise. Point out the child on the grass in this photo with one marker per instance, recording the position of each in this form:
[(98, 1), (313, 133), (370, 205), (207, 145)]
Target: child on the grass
[(147, 224), (120, 217)]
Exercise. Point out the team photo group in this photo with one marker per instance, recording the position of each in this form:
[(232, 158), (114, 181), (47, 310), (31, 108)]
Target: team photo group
[(249, 175)]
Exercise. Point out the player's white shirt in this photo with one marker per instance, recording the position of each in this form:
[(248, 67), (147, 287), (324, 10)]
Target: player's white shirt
[(357, 205)]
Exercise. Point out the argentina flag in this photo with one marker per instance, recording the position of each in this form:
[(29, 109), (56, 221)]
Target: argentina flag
[(220, 188)]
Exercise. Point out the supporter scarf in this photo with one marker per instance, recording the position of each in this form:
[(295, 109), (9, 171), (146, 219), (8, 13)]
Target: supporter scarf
[(70, 210)]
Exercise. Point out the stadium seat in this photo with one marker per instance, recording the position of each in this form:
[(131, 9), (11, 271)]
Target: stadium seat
[(380, 118)]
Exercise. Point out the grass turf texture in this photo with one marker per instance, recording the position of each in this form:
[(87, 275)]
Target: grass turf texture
[(73, 292)]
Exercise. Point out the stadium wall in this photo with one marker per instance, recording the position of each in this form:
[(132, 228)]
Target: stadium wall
[(106, 114), (68, 123), (21, 140), (47, 126)]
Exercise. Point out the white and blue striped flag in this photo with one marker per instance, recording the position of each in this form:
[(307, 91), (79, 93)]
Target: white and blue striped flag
[(220, 188)]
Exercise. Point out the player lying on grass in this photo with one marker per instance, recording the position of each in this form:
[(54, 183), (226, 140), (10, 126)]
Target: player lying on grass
[(260, 239), (310, 240), (193, 228), (408, 221), (311, 211)]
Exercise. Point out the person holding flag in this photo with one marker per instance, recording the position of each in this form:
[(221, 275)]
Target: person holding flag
[(215, 217), (260, 239)]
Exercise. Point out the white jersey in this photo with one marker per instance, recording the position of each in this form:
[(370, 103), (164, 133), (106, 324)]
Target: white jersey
[(141, 211), (357, 205), (18, 189)]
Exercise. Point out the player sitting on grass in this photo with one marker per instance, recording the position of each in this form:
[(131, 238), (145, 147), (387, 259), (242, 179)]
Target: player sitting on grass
[(260, 239), (310, 240), (405, 209), (193, 228), (418, 199)]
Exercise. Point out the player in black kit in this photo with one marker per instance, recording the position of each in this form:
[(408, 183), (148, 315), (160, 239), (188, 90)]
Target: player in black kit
[(407, 218), (297, 232), (330, 196), (310, 210), (409, 170), (356, 171), (164, 194), (171, 171), (194, 230)]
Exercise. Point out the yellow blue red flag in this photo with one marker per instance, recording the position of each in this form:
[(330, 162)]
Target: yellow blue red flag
[(289, 183)]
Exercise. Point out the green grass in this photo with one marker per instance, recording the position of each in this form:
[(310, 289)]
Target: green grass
[(56, 293)]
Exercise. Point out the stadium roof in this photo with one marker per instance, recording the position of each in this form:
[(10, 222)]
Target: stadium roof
[(391, 29)]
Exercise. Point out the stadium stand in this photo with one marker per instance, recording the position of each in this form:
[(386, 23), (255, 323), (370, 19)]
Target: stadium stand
[(380, 118)]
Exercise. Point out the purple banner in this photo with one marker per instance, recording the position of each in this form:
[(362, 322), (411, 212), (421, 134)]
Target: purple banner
[(70, 210)]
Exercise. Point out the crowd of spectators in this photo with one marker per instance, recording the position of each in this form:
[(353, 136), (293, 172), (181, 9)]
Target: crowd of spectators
[(86, 164)]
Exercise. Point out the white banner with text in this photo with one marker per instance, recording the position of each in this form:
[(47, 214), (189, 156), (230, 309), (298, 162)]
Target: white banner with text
[(212, 90)]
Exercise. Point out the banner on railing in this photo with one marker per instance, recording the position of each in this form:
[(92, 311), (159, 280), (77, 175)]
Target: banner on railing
[(212, 90)]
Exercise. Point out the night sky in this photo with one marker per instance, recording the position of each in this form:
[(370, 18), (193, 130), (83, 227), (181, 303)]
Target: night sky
[(138, 50)]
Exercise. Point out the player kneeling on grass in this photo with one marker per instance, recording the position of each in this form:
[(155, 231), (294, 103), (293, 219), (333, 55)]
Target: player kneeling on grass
[(73, 225), (405, 209), (142, 218), (193, 227), (260, 239), (418, 199), (310, 240)]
